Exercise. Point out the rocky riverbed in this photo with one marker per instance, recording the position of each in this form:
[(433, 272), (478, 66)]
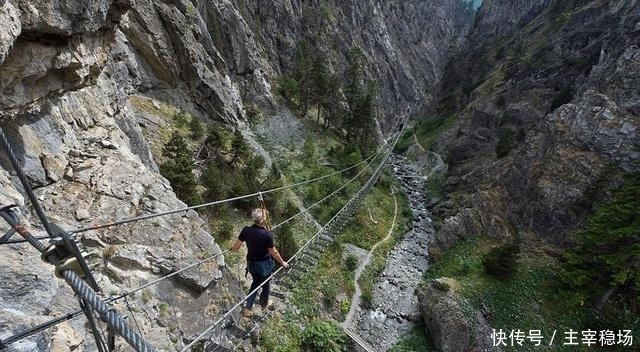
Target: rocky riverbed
[(394, 305)]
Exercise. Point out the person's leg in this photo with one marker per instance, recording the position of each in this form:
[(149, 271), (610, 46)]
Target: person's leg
[(264, 295), (257, 280)]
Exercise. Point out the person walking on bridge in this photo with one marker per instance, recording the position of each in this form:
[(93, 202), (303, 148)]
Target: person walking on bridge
[(261, 252)]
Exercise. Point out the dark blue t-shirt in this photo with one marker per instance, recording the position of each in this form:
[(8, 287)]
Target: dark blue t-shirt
[(258, 240)]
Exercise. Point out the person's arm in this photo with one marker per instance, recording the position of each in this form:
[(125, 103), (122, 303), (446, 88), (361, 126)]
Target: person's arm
[(273, 251), (236, 245)]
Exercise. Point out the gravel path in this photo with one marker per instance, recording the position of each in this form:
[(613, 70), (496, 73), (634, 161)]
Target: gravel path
[(355, 300)]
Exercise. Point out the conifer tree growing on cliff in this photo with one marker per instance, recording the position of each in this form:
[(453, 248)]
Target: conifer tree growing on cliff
[(303, 76), (606, 258), (178, 169), (321, 83), (239, 147), (358, 121)]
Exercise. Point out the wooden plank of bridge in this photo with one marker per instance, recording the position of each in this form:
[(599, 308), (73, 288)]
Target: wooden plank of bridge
[(214, 347), (277, 294), (295, 275), (236, 331), (285, 284), (359, 341), (315, 255)]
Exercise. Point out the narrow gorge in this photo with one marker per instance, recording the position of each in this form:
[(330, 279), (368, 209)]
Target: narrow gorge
[(491, 137)]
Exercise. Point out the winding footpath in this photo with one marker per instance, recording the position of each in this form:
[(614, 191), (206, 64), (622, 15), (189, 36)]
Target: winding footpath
[(355, 300), (394, 303)]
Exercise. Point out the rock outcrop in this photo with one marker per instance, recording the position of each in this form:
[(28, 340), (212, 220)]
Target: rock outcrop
[(449, 326), (443, 317)]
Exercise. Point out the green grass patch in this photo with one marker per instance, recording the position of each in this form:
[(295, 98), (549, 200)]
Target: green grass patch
[(532, 299), (364, 232), (415, 341), (426, 132)]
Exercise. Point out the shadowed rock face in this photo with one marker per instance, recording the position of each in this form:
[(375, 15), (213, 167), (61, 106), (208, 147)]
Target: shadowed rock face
[(539, 138), (443, 317), (539, 143), (53, 47)]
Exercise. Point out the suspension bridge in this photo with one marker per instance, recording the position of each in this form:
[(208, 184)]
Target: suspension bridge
[(60, 250)]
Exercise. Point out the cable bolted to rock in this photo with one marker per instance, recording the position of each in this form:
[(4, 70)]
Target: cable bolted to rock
[(74, 279), (69, 263)]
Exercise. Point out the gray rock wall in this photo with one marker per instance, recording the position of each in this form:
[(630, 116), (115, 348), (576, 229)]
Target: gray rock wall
[(405, 43), (502, 17), (556, 156)]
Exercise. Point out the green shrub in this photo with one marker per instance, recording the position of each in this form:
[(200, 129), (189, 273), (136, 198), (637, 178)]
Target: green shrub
[(285, 241), (345, 305), (182, 118), (351, 262), (501, 260), (226, 231), (433, 187), (323, 336), (196, 128), (329, 293), (366, 299), (441, 285)]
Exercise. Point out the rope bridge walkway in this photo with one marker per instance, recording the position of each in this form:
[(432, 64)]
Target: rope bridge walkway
[(226, 333)]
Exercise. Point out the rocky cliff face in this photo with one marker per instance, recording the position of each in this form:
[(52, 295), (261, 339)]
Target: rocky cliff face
[(88, 86), (553, 120), (546, 122), (498, 18)]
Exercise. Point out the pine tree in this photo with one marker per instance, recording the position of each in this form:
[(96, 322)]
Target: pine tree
[(214, 180), (606, 257), (176, 147), (353, 91), (330, 104), (178, 169), (239, 147), (320, 86), (302, 74), (217, 137), (359, 122)]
